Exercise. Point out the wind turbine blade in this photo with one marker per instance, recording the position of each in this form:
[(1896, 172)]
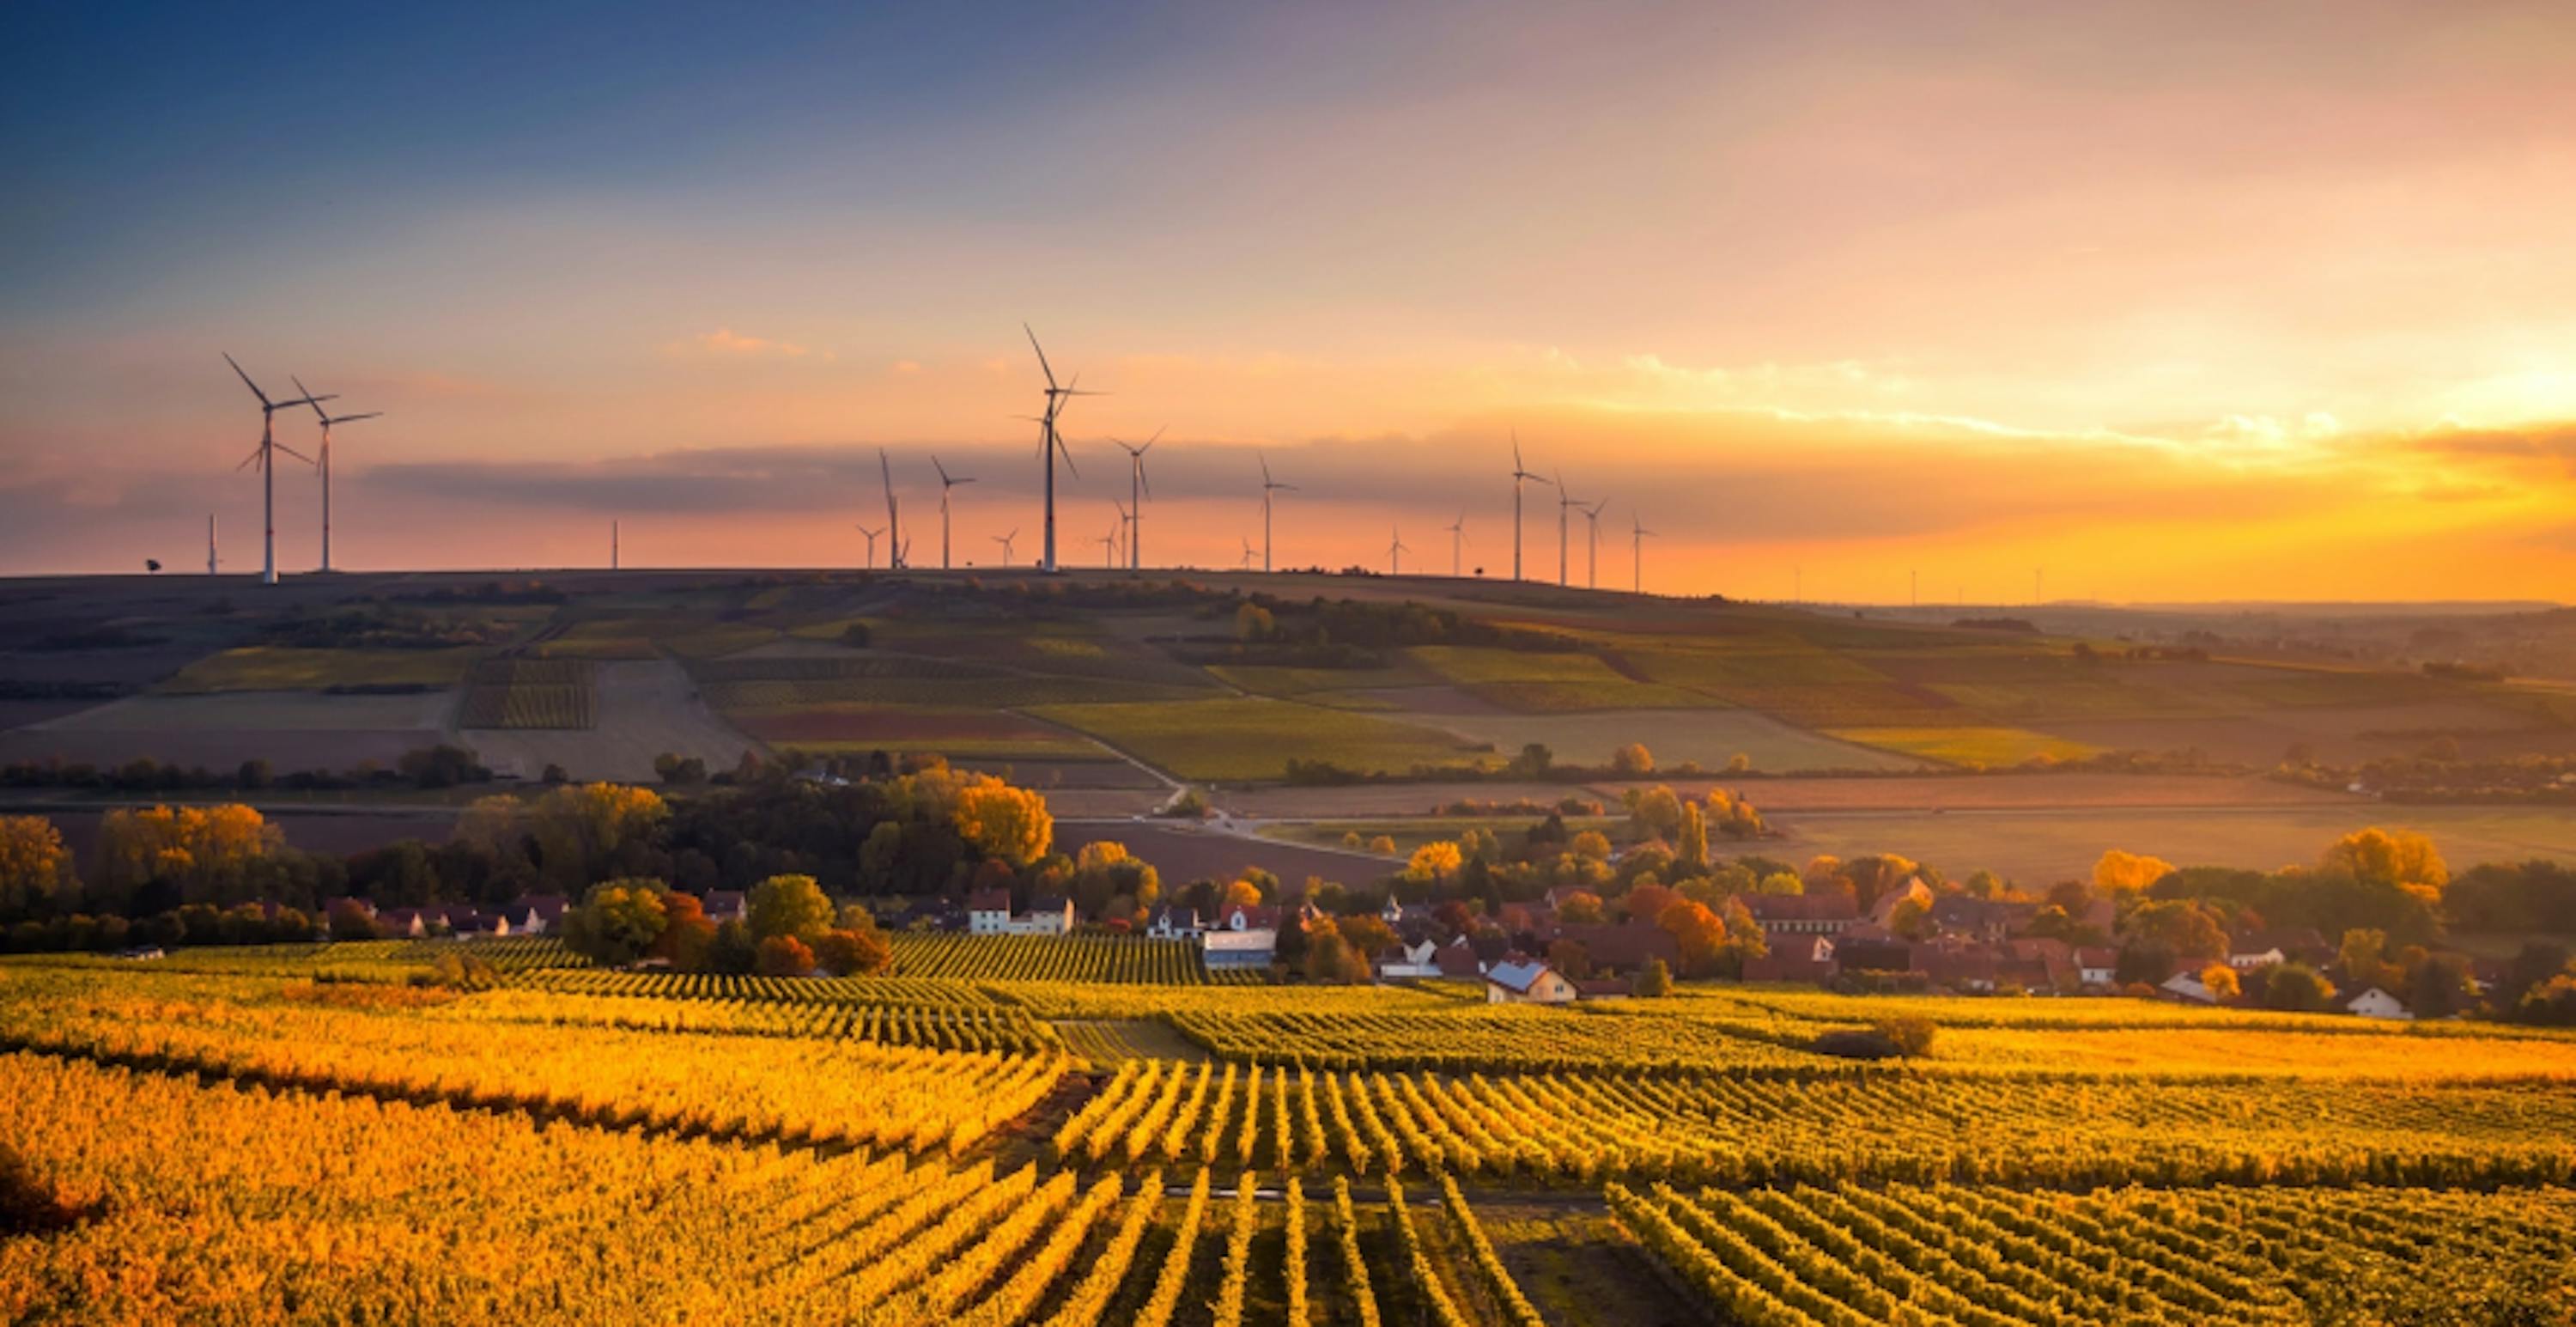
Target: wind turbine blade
[(246, 382), (249, 460), (318, 412), (1144, 480), (1265, 471), (344, 419), (1158, 437), (294, 453), (944, 480), (1043, 366), (1068, 456)]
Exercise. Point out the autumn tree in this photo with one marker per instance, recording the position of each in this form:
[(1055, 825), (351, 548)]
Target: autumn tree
[(1330, 957), (2220, 980), (2298, 988), (2184, 927), (1434, 862), (1690, 843), (784, 956), (1653, 981), (2121, 872), (1240, 894), (617, 922), (2393, 857), (1700, 933), (1383, 845), (1780, 882), (687, 933), (788, 905), (591, 831), (2362, 958), (1006, 823), (1572, 958), (206, 853), (1367, 934), (35, 867), (1591, 845), (1632, 760), (1654, 813), (1733, 816), (845, 952), (1581, 907)]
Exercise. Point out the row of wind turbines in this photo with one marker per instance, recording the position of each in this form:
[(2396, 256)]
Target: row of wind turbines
[(1123, 544)]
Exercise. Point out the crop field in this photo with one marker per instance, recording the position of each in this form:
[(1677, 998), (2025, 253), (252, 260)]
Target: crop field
[(2040, 845), (1969, 748), (1710, 736), (1252, 737), (992, 1135), (960, 734), (274, 668), (1542, 683), (640, 709)]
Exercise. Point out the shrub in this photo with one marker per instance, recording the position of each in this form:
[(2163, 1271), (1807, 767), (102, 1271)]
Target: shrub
[(1911, 1034), (785, 956), (1856, 1044)]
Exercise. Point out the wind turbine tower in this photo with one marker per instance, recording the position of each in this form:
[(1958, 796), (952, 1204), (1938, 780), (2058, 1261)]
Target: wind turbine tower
[(1138, 489), (1395, 551), (328, 420), (1637, 551), (871, 563), (1050, 442), (1457, 544), (1592, 559), (1520, 472), (1564, 502), (1247, 555), (612, 545), (210, 544), (946, 482), (894, 527), (1005, 541), (266, 459), (1268, 485)]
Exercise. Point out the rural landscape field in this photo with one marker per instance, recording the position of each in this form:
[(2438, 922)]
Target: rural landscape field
[(1393, 665)]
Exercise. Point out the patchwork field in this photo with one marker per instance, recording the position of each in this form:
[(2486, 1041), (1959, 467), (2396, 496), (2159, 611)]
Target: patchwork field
[(1251, 737), (960, 734), (1710, 736), (643, 709), (292, 730), (271, 668), (1537, 682), (1969, 748)]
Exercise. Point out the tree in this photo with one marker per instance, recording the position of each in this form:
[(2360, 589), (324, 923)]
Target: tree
[(1581, 907), (674, 768), (590, 831), (733, 950), (2394, 857), (1632, 760), (2298, 988), (1591, 845), (350, 920), (1745, 938), (687, 935), (784, 956), (1780, 882), (844, 952), (205, 854), (2362, 958), (1383, 845), (617, 922), (1700, 933), (2186, 929), (2120, 872), (35, 867), (1733, 816), (1911, 918), (1572, 958), (2220, 980), (1367, 933), (1690, 847), (1911, 1034), (1435, 862), (2439, 986), (1653, 813), (788, 905), (1330, 957), (1002, 822), (1241, 894), (1654, 980), (1533, 761)]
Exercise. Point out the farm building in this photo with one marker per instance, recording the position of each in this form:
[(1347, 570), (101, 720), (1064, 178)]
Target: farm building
[(2098, 967), (1806, 958), (1802, 914), (988, 912), (1527, 981), (1245, 947), (1173, 923), (1419, 957), (2376, 1003)]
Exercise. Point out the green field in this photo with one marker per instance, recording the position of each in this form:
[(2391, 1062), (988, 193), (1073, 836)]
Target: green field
[(1538, 682), (1238, 738), (277, 668)]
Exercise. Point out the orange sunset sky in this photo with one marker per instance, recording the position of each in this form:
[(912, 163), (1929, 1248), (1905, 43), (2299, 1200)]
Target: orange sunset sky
[(2179, 301)]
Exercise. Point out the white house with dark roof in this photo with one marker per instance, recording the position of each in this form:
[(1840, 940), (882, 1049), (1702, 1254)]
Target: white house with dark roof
[(1527, 981)]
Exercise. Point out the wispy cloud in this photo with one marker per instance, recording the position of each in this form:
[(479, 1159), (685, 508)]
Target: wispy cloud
[(726, 343)]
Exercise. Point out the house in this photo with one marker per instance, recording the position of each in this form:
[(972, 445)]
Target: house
[(1804, 958), (1624, 946), (2043, 963), (1527, 981), (1873, 955), (462, 921), (1239, 946), (1170, 922), (2263, 949), (1801, 914), (1991, 920), (402, 922), (988, 912), (1458, 959), (727, 905), (2377, 1003), (1048, 914), (1602, 990), (1970, 968), (1248, 917), (2098, 967), (1883, 912), (485, 926), (2187, 988), (1418, 957), (536, 914)]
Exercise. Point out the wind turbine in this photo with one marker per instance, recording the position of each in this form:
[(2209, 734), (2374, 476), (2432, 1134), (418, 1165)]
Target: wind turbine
[(1637, 549), (1109, 546), (871, 563), (211, 562), (327, 421), (1457, 543), (1395, 551), (1520, 472), (946, 482), (894, 527), (1592, 559), (1247, 555), (1137, 491), (1050, 442), (1268, 485), (1005, 541), (1126, 539), (265, 458), (1564, 500)]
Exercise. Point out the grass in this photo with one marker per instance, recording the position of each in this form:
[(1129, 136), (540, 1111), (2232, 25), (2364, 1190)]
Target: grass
[(1712, 737), (1239, 738), (275, 668), (1548, 683), (1969, 747), (1412, 832), (989, 693)]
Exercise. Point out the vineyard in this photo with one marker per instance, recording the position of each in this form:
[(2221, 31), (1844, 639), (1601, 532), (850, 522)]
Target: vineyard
[(528, 693), (1022, 1130)]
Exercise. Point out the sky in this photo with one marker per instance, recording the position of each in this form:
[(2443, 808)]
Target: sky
[(2129, 301)]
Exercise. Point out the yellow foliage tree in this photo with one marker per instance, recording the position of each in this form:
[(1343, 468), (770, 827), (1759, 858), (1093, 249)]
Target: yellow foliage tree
[(2221, 981), (34, 865), (1434, 861), (585, 831), (1006, 823), (207, 851), (2128, 872), (2391, 857)]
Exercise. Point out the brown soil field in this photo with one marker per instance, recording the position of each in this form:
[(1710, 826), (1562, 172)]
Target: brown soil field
[(1388, 799), (644, 706), (291, 730), (893, 725), (2010, 791), (2340, 735)]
